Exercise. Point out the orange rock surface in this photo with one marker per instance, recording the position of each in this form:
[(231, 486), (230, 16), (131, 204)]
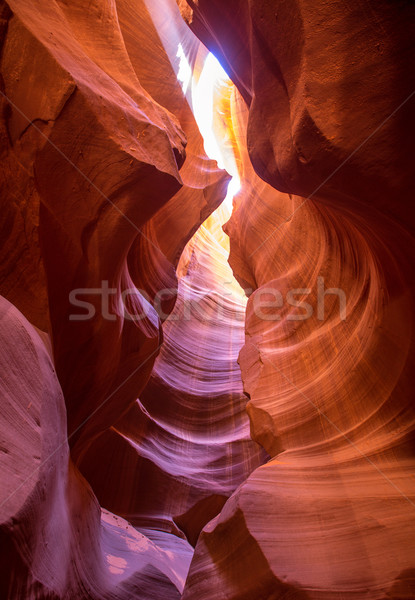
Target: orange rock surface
[(198, 402), (331, 515)]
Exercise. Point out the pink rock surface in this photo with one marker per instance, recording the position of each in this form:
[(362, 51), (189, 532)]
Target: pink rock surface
[(55, 541), (184, 446), (100, 158), (133, 449), (331, 515)]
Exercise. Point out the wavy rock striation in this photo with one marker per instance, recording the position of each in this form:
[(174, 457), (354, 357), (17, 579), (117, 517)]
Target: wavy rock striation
[(329, 349), (55, 540), (331, 515), (91, 166), (186, 440), (137, 458)]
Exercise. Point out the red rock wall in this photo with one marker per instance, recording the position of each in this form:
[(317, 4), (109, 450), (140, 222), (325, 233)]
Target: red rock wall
[(56, 542), (91, 169), (186, 440), (303, 487), (331, 398)]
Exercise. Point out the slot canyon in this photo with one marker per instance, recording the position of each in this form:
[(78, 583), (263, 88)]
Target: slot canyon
[(207, 355)]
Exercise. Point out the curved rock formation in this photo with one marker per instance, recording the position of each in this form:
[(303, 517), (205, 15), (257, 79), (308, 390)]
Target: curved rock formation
[(137, 458), (327, 362), (184, 446), (86, 142), (55, 540)]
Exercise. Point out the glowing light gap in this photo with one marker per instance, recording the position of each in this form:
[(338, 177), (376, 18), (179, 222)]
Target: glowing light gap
[(212, 79)]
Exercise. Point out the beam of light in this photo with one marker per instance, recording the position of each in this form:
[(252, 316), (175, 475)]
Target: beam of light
[(212, 87), (212, 75), (233, 188), (185, 70), (116, 564), (178, 45)]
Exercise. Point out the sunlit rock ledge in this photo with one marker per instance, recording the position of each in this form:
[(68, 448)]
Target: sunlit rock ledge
[(207, 305)]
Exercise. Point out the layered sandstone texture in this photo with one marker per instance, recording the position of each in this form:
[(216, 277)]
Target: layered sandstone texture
[(327, 125), (104, 181), (163, 433)]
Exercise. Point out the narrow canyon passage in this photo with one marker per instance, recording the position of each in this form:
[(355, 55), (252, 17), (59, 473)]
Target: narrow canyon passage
[(207, 299), (184, 446)]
